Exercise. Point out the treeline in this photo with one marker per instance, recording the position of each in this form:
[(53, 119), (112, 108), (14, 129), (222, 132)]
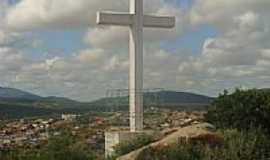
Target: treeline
[(242, 110)]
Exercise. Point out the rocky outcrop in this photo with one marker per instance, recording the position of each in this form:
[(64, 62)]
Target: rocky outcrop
[(203, 132)]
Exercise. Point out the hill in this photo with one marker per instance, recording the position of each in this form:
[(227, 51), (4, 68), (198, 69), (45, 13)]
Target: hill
[(11, 93), (17, 103), (164, 99), (176, 98), (16, 111)]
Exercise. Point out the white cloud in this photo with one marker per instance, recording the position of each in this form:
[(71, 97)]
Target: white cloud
[(50, 14), (3, 34), (108, 37), (89, 55), (221, 13), (238, 56), (91, 76), (265, 54), (44, 14)]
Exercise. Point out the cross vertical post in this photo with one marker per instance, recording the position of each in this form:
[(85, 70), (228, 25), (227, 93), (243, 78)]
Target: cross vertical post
[(136, 66)]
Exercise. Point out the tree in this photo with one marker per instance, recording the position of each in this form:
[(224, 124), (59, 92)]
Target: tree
[(241, 109)]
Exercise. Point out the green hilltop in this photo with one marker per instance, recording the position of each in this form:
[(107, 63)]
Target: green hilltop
[(17, 104)]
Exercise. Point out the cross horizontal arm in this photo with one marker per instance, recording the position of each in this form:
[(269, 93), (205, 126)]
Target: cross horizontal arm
[(119, 19), (158, 22), (125, 19)]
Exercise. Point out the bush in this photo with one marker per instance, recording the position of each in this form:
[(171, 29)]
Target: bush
[(58, 148), (251, 145), (130, 146), (242, 110)]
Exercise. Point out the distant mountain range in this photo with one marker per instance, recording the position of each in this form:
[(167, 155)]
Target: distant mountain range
[(11, 93), (162, 98), (15, 103)]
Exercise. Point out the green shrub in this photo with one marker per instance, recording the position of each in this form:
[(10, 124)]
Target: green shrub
[(129, 146), (242, 110), (179, 151), (250, 145), (58, 148)]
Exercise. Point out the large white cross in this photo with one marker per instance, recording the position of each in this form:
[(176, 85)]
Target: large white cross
[(136, 20)]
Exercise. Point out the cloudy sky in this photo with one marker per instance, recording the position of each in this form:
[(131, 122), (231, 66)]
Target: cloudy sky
[(54, 47)]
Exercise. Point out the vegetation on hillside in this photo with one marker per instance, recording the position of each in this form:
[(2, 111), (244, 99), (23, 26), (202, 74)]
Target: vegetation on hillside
[(64, 147), (242, 110)]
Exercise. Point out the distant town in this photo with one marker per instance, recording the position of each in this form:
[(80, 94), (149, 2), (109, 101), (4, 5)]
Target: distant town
[(33, 133)]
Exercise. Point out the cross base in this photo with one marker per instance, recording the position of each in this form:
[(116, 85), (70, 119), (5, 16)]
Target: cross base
[(115, 138)]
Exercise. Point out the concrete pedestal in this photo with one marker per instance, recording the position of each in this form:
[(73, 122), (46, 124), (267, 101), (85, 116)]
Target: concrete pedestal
[(112, 139)]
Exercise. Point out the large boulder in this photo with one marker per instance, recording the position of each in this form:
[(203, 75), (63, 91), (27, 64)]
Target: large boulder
[(200, 133)]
